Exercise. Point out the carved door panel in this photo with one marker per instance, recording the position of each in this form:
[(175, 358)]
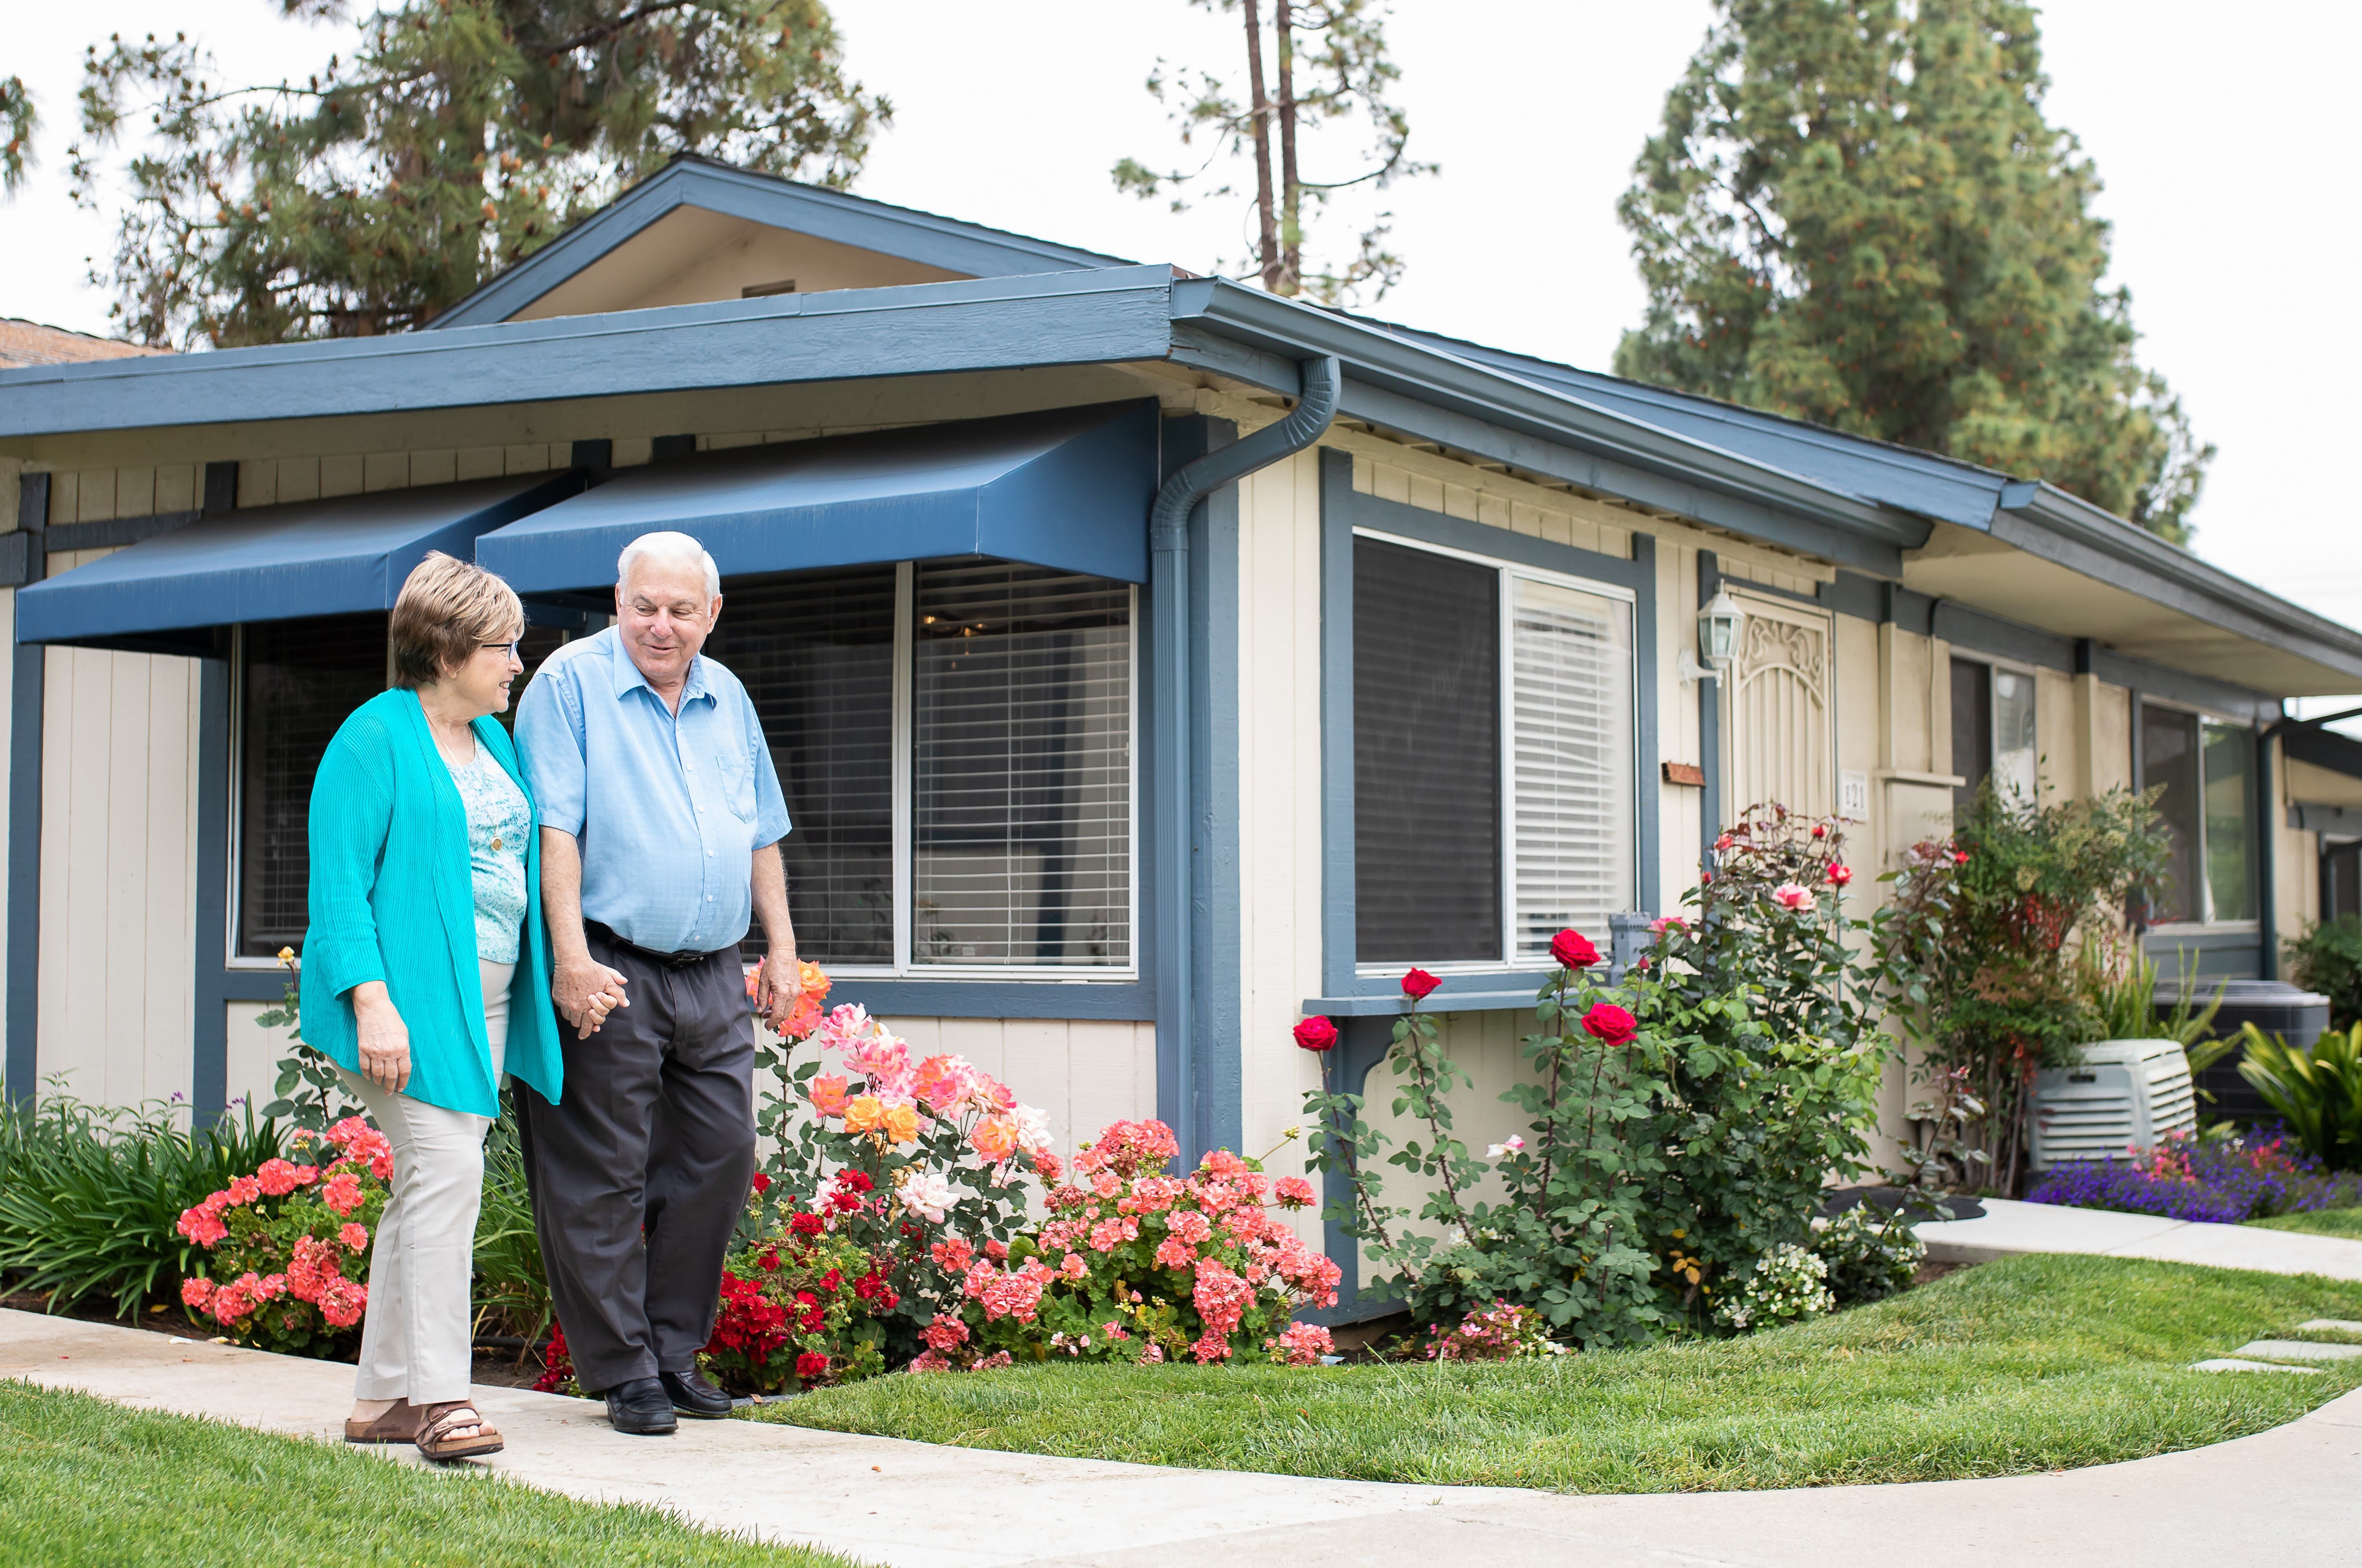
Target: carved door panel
[(1782, 744)]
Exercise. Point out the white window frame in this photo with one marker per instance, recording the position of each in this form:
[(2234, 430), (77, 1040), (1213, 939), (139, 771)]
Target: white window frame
[(2254, 806), (1508, 573), (1995, 665)]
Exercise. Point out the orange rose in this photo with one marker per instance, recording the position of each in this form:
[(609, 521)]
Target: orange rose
[(902, 1124), (816, 982), (995, 1137), (864, 1113), (828, 1095)]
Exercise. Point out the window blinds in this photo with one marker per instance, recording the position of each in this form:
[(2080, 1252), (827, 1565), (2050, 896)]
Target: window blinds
[(1021, 790), (1571, 699), (298, 680), (816, 655)]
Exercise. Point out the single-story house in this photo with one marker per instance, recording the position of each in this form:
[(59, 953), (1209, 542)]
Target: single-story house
[(1149, 661)]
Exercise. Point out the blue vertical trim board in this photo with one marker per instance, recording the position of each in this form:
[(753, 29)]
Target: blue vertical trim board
[(25, 813), (1709, 700), (1337, 933), (1163, 650), (209, 1066), (1647, 783), (1215, 1047), (1362, 1045), (2261, 837)]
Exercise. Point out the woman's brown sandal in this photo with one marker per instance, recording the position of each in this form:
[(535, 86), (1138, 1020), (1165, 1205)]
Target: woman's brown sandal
[(397, 1424), (437, 1423)]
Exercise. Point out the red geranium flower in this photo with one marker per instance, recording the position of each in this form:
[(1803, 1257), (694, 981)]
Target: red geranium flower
[(1573, 950), (812, 1365), (807, 1225), (1417, 984), (1610, 1024), (1316, 1033)]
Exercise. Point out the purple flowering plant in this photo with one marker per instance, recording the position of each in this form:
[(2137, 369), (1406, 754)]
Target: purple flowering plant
[(2220, 1181)]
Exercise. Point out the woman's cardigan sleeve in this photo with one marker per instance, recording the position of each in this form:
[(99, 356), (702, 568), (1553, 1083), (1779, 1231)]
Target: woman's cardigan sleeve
[(352, 804)]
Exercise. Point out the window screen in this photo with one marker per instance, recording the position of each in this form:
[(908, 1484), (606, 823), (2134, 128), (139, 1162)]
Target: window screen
[(1972, 730), (1427, 757), (816, 655), (2170, 757), (298, 680), (2229, 765), (1571, 697), (2015, 741), (1022, 798)]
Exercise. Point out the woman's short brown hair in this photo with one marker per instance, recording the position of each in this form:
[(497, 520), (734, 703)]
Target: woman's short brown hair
[(446, 610)]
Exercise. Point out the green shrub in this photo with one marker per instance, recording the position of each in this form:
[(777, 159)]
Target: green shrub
[(89, 1198), (1870, 1258), (2318, 1092), (2328, 959), (512, 1289)]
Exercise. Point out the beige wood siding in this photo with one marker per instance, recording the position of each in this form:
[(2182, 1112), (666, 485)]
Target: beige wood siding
[(1082, 1074)]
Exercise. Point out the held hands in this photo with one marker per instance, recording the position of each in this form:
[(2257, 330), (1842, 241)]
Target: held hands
[(586, 991), (779, 986), (384, 1039)]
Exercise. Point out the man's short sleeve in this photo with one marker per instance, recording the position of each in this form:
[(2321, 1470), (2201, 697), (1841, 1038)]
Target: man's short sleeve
[(771, 823), (549, 746)]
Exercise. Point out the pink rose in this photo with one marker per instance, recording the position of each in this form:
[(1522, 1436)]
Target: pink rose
[(1316, 1033), (1792, 895), (1573, 950), (1839, 875), (1664, 923)]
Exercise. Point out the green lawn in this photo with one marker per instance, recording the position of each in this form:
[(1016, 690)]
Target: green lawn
[(93, 1482), (2028, 1364), (2347, 1222)]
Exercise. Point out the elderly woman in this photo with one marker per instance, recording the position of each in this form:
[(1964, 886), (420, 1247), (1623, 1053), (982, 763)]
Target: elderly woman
[(426, 975)]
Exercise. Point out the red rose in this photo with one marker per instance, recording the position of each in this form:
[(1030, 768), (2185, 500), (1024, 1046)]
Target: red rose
[(1610, 1024), (1960, 857), (1840, 874), (762, 1184), (1820, 832), (1418, 983), (1573, 950), (857, 1180), (1316, 1033)]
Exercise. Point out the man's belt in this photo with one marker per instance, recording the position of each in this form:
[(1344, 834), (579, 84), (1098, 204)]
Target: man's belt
[(685, 959)]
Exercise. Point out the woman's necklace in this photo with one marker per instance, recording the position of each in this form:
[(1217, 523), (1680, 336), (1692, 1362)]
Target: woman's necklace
[(468, 733)]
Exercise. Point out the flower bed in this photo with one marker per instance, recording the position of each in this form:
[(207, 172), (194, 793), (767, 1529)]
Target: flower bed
[(2219, 1181), (282, 1241)]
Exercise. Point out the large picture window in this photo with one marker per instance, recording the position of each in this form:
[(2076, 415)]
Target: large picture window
[(296, 682), (2207, 768), (954, 742), (1492, 758)]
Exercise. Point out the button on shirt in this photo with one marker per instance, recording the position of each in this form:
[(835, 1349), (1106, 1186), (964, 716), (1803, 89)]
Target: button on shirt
[(669, 808)]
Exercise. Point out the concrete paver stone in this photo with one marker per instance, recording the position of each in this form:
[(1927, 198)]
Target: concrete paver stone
[(2233, 1364), (2330, 1326), (2298, 1350), (917, 1505)]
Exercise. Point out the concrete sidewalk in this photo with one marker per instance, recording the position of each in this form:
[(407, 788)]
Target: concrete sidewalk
[(2009, 1228), (2280, 1498)]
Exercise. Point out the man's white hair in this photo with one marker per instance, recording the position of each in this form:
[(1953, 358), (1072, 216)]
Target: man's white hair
[(668, 547)]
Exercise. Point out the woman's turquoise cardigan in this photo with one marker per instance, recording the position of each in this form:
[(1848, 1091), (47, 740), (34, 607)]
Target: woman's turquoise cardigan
[(392, 899)]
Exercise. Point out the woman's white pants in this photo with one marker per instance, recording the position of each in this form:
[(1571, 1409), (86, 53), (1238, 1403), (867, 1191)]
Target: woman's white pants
[(417, 1342)]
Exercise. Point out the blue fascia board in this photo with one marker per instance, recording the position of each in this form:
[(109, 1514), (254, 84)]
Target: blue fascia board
[(1077, 317), (269, 563), (1068, 488), (902, 232)]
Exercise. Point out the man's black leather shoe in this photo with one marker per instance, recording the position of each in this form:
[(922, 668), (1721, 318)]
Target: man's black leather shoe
[(692, 1396), (641, 1406)]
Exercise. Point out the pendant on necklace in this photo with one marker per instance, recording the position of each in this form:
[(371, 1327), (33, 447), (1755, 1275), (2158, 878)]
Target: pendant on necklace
[(496, 841)]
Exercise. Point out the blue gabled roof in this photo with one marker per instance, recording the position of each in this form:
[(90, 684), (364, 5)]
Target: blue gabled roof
[(1880, 472), (690, 181)]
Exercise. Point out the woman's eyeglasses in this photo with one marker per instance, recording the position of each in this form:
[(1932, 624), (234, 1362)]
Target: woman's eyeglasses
[(510, 647)]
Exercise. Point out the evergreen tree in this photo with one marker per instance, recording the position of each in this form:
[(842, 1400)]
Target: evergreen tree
[(1328, 60), (1857, 214), (18, 120), (461, 137)]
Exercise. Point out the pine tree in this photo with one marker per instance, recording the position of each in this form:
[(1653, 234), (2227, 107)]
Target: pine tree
[(1857, 214), (461, 137), (1327, 59)]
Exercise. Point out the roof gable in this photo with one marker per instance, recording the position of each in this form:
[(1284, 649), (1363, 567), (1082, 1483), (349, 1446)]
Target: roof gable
[(698, 230)]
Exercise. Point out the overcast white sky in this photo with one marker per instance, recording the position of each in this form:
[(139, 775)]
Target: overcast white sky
[(2213, 140)]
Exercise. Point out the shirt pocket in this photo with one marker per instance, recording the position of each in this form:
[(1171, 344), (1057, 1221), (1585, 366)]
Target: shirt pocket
[(737, 773)]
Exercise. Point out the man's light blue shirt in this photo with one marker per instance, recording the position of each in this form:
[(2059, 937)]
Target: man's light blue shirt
[(669, 809)]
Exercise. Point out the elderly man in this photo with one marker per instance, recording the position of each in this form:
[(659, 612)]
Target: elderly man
[(661, 820)]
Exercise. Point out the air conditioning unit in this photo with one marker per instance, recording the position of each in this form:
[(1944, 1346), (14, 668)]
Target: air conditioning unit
[(2120, 1096)]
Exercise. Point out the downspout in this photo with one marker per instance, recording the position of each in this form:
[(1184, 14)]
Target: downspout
[(1168, 544)]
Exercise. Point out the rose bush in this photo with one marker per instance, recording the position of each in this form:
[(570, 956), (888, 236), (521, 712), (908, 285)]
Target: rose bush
[(1136, 1266), (287, 1248), (801, 1304)]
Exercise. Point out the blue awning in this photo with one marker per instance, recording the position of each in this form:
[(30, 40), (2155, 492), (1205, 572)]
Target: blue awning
[(1067, 488), (272, 563)]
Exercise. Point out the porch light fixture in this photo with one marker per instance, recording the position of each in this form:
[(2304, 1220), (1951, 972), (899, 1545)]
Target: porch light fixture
[(1718, 638)]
